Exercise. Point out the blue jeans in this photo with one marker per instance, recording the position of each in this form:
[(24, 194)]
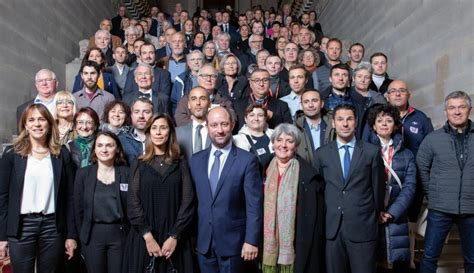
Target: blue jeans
[(438, 227)]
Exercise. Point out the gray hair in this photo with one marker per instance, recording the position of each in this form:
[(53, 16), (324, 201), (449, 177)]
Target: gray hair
[(253, 36), (207, 65), (263, 50), (131, 29), (363, 66), (196, 51), (101, 31), (143, 65), (457, 95), (207, 43), (224, 60), (287, 129), (223, 35), (45, 70)]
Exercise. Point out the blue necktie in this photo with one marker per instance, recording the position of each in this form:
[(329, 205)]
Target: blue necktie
[(347, 162), (214, 176)]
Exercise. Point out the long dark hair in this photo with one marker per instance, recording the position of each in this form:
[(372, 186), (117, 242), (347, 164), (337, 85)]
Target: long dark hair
[(172, 151), (119, 158), (88, 52)]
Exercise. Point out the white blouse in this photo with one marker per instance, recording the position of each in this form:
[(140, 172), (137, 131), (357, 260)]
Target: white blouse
[(38, 188)]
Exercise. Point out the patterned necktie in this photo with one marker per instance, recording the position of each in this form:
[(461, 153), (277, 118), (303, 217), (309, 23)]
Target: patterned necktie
[(347, 162), (197, 139), (214, 177)]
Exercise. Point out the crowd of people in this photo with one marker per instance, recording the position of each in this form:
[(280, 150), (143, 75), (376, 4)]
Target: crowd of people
[(231, 142)]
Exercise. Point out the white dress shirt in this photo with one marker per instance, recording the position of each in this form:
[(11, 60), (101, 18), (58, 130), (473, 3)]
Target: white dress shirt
[(225, 152), (203, 133)]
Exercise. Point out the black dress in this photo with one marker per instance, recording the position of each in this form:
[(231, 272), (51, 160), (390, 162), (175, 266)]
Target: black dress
[(160, 201)]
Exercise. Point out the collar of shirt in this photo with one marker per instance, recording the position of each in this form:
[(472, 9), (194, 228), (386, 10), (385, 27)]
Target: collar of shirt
[(225, 150), (182, 60), (98, 92), (384, 146), (38, 100), (135, 136), (195, 124), (351, 143), (339, 93), (148, 91), (311, 126), (293, 96)]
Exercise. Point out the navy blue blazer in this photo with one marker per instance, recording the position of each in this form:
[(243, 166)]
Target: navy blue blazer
[(235, 214), (109, 84)]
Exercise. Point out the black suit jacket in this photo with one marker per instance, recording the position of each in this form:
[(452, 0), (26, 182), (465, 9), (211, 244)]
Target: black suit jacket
[(84, 189), (161, 102), (360, 199), (161, 83), (12, 173)]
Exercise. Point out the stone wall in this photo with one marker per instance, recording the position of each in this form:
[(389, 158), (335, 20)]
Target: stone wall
[(40, 34), (430, 44)]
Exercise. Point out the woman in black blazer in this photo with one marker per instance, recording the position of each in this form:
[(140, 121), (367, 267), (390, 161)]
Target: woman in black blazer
[(100, 195), (36, 196)]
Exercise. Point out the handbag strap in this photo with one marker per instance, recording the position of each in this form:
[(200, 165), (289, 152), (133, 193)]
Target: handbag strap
[(252, 147), (392, 172)]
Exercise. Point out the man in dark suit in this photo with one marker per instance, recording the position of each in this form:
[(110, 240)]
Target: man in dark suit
[(46, 84), (353, 173), (144, 80), (229, 28), (162, 78), (230, 200), (192, 137)]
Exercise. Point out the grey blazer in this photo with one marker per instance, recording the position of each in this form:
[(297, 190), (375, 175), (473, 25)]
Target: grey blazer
[(185, 140), (120, 78)]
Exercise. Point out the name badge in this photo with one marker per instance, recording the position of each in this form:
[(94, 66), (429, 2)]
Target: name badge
[(123, 187), (261, 151)]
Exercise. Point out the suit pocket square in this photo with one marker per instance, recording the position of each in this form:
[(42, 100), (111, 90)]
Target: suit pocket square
[(123, 187)]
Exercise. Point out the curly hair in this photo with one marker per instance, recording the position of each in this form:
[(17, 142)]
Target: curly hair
[(383, 110)]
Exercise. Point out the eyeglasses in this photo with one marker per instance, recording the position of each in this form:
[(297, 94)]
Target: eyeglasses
[(69, 102), (260, 81), (45, 80), (230, 63), (256, 42), (208, 76), (400, 90), (85, 122)]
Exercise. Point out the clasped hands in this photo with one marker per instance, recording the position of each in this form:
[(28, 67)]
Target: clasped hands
[(154, 248)]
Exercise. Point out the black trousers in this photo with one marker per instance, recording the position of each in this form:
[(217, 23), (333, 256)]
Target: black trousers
[(103, 253), (39, 243)]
